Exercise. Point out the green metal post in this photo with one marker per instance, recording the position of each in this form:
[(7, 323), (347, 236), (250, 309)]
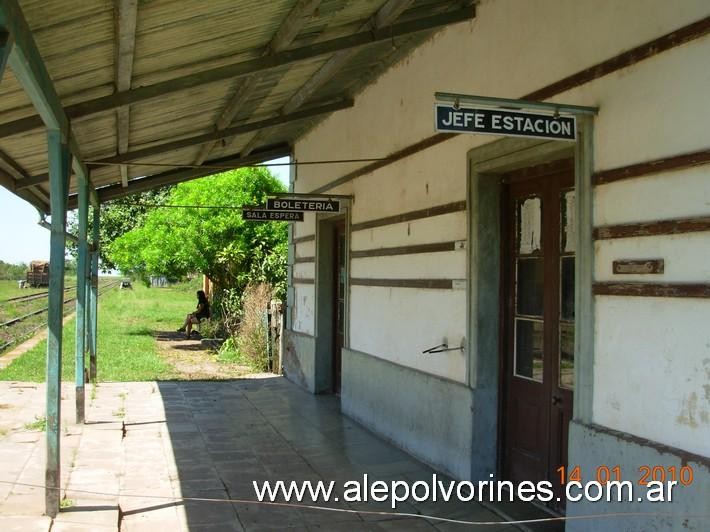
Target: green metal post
[(59, 160), (82, 280), (94, 293)]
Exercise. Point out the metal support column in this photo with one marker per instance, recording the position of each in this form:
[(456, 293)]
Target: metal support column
[(82, 283), (94, 293), (59, 162)]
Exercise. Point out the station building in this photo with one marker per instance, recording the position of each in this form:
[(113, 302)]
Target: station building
[(507, 305), (520, 304)]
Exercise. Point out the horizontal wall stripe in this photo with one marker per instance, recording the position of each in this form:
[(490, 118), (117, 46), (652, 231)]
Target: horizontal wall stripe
[(405, 250), (391, 158), (678, 162), (411, 215), (630, 57), (301, 260), (701, 290), (307, 238), (682, 455), (662, 227), (299, 280), (441, 284), (626, 59)]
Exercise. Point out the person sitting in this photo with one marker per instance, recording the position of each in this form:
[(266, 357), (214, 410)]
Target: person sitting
[(202, 312)]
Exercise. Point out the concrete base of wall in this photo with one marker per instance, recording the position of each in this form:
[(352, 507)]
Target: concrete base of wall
[(591, 446), (425, 415), (299, 358)]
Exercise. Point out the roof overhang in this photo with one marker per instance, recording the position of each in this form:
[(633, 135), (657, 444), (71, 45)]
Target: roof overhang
[(161, 92)]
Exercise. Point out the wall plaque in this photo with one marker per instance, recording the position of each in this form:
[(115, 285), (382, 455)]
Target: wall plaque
[(641, 266)]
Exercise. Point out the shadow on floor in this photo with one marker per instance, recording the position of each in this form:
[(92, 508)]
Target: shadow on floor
[(225, 436)]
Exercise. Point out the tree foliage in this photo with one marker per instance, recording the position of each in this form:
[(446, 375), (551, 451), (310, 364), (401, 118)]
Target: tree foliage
[(12, 271), (214, 241), (116, 218)]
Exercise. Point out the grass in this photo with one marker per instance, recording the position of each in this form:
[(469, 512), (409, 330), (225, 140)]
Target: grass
[(8, 289), (127, 350), (39, 424)]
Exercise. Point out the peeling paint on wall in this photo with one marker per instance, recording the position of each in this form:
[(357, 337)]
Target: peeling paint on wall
[(689, 410)]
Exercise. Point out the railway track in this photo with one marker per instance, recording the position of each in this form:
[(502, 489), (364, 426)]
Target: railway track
[(31, 297), (20, 319)]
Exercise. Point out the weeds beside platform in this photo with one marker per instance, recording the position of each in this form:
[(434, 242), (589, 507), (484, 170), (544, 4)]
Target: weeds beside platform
[(136, 341)]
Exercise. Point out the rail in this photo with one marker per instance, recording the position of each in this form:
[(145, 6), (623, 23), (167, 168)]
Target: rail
[(20, 319), (30, 297)]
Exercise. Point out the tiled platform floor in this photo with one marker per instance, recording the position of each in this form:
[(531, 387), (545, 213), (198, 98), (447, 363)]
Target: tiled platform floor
[(151, 441)]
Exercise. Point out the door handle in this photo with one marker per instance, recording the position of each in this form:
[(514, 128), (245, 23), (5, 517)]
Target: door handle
[(556, 399)]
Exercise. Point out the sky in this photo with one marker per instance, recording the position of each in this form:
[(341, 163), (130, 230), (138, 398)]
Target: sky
[(22, 240)]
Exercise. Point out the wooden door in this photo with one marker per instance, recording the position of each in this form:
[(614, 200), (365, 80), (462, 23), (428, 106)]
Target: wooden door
[(339, 286), (537, 361)]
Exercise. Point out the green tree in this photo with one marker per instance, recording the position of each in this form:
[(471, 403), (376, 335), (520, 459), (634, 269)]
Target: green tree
[(214, 241), (12, 271), (116, 218)]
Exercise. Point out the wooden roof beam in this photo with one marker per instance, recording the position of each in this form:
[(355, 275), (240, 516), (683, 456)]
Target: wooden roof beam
[(284, 36), (384, 16), (179, 175), (11, 168), (27, 182), (228, 132), (126, 16), (245, 68), (10, 174), (28, 67)]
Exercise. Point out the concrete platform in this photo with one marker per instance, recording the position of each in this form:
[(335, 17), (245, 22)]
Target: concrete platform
[(183, 456)]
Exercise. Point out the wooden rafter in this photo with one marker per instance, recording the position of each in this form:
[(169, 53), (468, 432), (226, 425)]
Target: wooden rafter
[(11, 174), (126, 16), (384, 16), (284, 36), (199, 139), (245, 68), (29, 69), (185, 174)]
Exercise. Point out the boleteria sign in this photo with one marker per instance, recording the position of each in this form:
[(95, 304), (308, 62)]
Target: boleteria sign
[(303, 204)]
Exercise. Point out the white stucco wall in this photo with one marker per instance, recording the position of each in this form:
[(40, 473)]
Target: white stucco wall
[(655, 108), (662, 196), (652, 375), (303, 311)]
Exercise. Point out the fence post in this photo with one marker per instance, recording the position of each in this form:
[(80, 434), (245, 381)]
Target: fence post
[(267, 325)]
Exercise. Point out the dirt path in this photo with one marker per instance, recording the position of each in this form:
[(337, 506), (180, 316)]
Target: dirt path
[(194, 361)]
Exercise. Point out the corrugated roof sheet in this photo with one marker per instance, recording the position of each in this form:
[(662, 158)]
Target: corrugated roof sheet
[(79, 44)]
